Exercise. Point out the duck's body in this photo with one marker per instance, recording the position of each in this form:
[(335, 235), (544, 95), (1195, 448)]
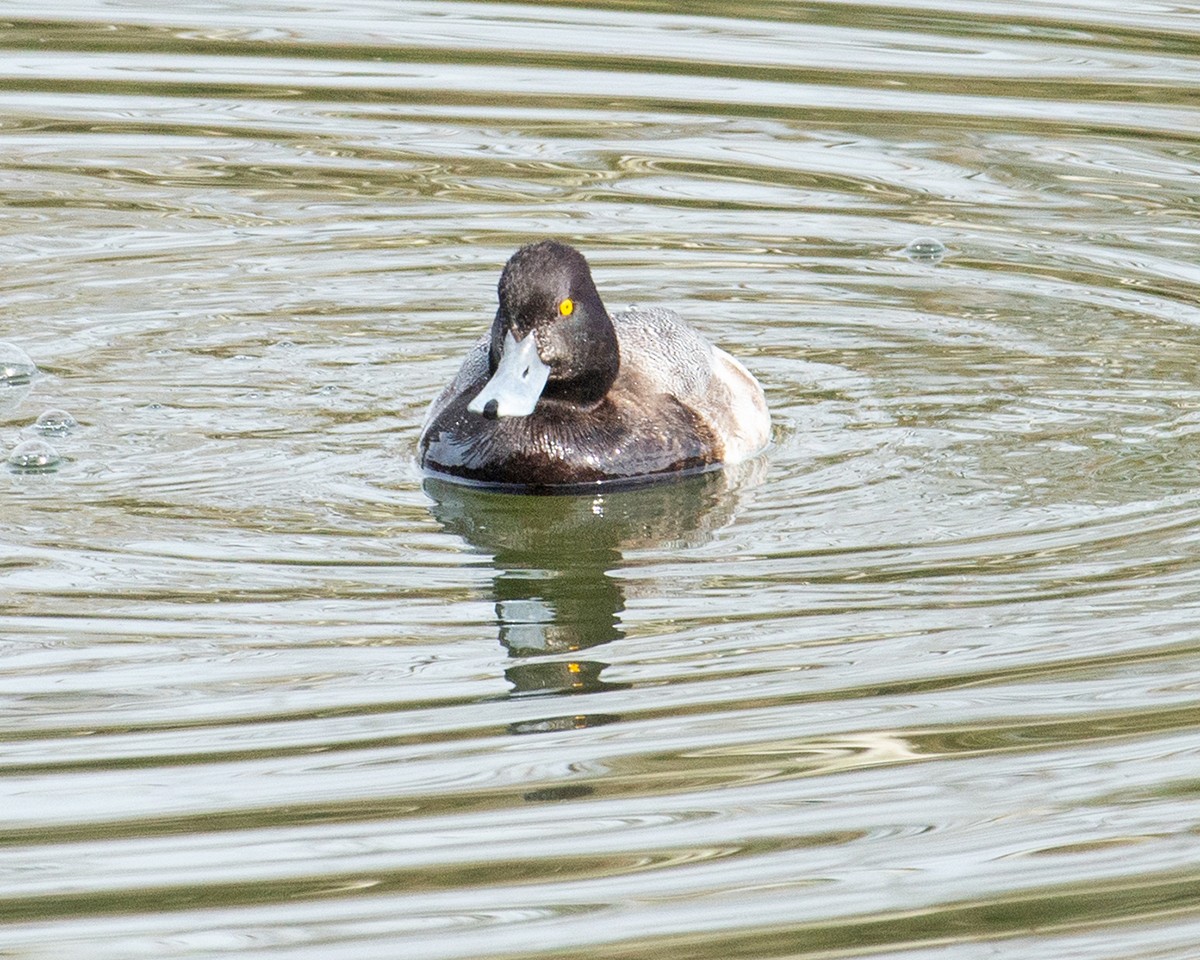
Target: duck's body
[(629, 398)]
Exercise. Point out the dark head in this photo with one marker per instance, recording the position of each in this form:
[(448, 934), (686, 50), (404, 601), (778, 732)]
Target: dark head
[(546, 290)]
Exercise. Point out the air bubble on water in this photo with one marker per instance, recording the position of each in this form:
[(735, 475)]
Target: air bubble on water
[(15, 365), (925, 250), (34, 456), (55, 422)]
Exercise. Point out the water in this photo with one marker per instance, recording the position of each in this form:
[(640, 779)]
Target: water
[(920, 683)]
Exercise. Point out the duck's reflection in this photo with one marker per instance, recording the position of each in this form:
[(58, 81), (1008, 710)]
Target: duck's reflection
[(557, 589)]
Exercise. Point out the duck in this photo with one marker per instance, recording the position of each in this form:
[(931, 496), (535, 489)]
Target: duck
[(559, 395)]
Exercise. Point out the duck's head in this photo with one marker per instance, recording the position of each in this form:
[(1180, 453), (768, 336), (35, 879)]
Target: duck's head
[(551, 337)]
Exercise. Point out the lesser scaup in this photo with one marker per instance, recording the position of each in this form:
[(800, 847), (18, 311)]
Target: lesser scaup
[(559, 395)]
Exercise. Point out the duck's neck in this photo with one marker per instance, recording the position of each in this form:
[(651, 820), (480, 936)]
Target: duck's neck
[(595, 362)]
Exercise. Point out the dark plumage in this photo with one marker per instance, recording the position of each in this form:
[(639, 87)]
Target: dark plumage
[(590, 398)]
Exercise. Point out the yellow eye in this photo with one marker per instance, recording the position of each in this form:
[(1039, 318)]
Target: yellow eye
[(566, 307)]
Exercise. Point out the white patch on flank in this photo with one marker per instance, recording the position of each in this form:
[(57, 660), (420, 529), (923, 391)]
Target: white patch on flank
[(748, 425)]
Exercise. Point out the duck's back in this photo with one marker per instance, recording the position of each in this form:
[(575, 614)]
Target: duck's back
[(669, 356)]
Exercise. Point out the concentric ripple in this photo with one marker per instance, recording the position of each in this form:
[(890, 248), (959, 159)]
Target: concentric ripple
[(921, 682)]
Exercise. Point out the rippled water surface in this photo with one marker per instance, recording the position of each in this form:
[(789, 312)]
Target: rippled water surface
[(923, 681)]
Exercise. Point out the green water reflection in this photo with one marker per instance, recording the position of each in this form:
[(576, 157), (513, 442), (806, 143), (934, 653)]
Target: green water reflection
[(555, 587)]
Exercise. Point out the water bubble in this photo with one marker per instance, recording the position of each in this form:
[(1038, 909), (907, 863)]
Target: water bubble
[(34, 456), (55, 422), (15, 365), (925, 250)]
